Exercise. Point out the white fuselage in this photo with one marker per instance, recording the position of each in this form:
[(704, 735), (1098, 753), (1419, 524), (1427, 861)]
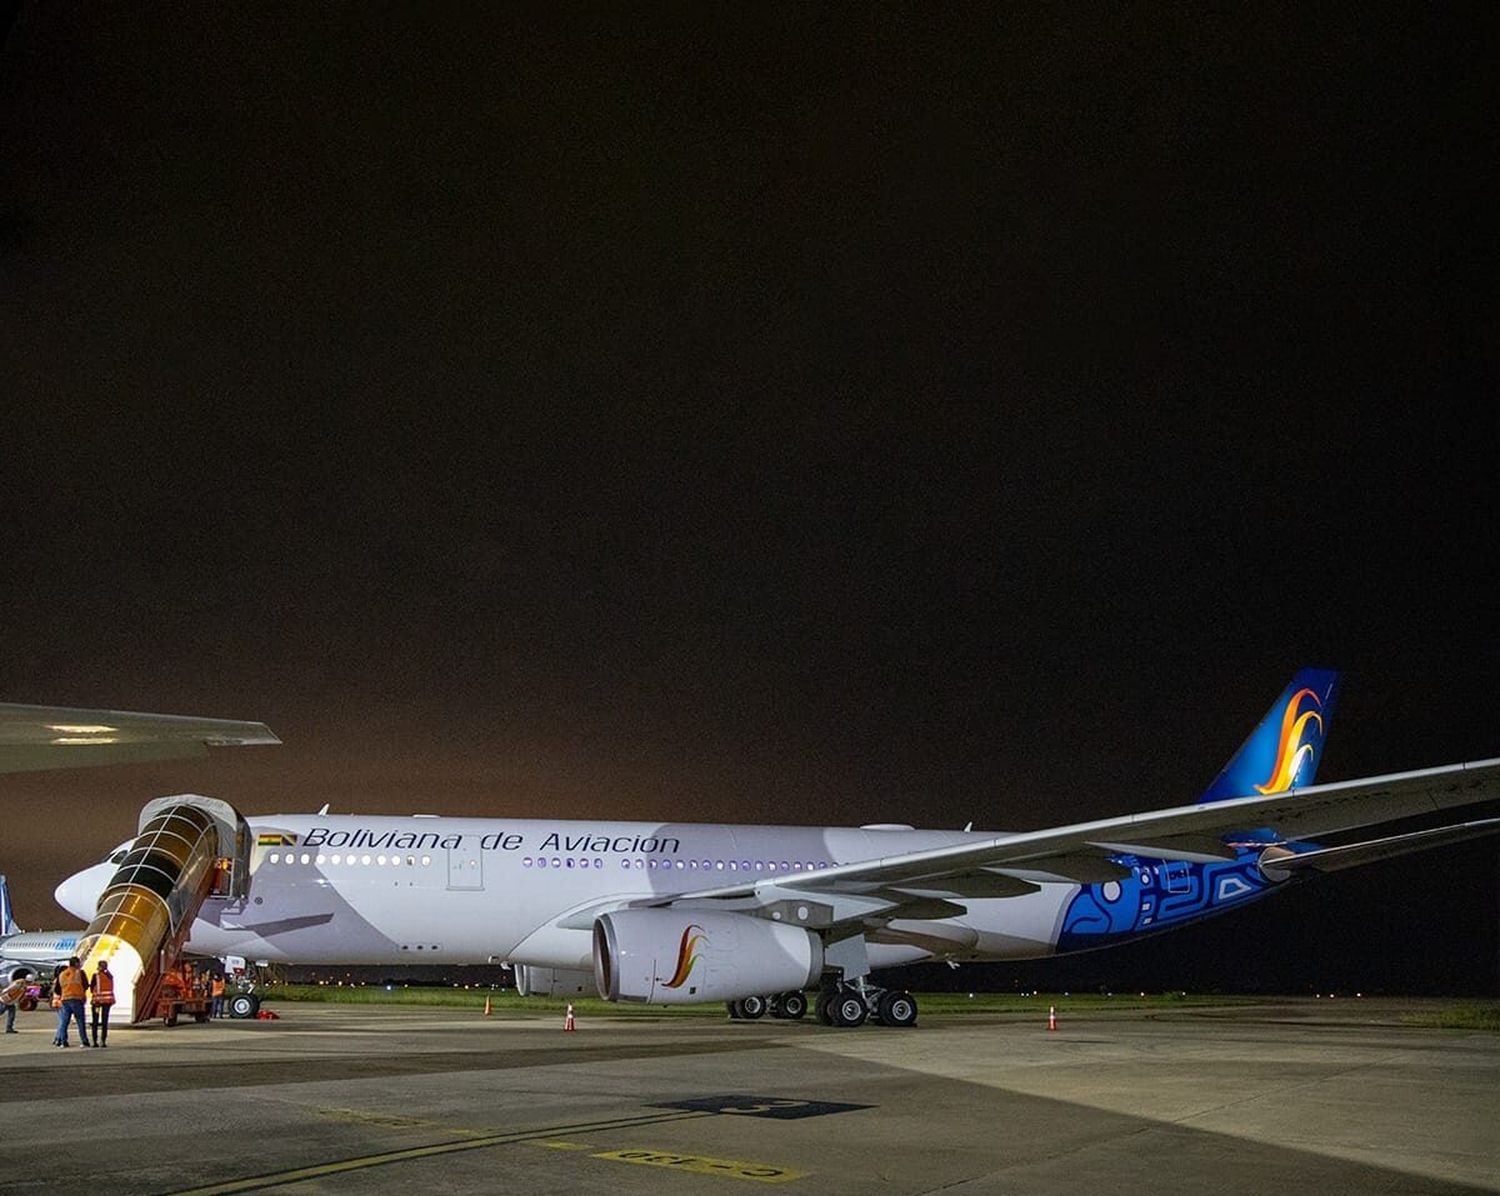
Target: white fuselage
[(339, 889)]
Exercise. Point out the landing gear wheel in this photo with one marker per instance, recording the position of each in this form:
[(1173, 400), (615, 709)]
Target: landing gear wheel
[(848, 1010), (734, 1010), (898, 1009), (243, 1005), (792, 1006), (825, 1009), (752, 1008)]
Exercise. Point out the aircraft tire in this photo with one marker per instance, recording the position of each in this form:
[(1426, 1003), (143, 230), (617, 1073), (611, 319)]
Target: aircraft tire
[(734, 1010), (752, 1008), (848, 1010), (897, 1008), (244, 1005), (792, 1006), (824, 1009)]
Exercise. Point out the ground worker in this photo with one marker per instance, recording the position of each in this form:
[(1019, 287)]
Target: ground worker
[(54, 999), (102, 1000), (10, 997), (72, 985), (217, 990)]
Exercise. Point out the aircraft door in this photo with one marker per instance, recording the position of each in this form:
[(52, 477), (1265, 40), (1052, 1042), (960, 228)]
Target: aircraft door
[(1175, 876), (465, 868)]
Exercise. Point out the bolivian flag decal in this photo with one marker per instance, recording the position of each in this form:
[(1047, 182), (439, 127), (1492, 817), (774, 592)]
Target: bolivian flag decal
[(276, 841)]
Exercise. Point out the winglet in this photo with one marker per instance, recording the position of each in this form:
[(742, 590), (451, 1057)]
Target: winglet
[(1283, 751)]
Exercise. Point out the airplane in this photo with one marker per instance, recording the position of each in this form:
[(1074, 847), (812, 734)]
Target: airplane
[(755, 916), (23, 953)]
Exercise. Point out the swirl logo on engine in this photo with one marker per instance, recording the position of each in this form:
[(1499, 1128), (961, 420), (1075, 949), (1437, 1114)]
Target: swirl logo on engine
[(688, 954)]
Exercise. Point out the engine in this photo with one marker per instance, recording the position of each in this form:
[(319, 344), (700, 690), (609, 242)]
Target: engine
[(672, 957), (552, 982)]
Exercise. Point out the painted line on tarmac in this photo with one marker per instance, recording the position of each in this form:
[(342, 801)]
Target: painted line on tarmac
[(765, 1173), (384, 1158)]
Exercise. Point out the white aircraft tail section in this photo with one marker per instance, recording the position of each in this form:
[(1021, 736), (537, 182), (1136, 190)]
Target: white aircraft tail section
[(7, 922)]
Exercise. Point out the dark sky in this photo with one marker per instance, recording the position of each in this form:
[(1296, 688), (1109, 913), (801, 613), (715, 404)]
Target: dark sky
[(842, 414)]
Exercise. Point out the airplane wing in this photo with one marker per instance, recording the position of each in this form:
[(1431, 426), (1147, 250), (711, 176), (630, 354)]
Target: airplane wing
[(1279, 866), (917, 884), (33, 738)]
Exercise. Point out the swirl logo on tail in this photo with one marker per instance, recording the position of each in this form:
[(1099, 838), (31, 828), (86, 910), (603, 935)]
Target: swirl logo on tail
[(688, 954), (1291, 751)]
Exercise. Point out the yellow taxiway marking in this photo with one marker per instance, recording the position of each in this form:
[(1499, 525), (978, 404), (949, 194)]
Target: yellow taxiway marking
[(697, 1164), (564, 1145), (390, 1121), (294, 1175)]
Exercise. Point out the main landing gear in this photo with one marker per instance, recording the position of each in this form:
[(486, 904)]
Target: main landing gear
[(845, 1006), (851, 1005), (791, 1006)]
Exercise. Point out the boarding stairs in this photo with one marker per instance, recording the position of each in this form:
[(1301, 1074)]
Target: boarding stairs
[(188, 848)]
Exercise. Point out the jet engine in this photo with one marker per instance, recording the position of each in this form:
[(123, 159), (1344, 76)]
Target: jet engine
[(682, 957)]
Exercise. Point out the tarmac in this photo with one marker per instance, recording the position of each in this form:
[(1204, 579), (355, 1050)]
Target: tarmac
[(1325, 1096)]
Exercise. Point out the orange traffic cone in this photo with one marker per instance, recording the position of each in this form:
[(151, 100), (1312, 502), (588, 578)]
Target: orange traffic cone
[(486, 1005), (1052, 1017), (568, 1022)]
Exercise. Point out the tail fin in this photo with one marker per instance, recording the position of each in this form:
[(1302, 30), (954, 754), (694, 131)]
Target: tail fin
[(1283, 751), (7, 923)]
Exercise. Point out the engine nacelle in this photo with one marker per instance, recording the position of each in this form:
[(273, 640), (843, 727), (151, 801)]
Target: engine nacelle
[(683, 957), (552, 982)]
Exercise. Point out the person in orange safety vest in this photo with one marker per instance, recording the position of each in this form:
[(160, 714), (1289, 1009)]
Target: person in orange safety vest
[(102, 1000), (217, 990), (72, 985)]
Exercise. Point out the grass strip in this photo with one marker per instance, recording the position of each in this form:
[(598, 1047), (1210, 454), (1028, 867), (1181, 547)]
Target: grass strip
[(507, 1001)]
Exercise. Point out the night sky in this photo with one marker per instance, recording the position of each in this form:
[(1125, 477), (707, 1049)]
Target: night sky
[(766, 413)]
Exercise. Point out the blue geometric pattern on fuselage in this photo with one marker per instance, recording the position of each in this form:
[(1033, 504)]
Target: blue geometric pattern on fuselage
[(1158, 894)]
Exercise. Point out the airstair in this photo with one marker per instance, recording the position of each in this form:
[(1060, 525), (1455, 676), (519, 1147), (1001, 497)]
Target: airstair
[(187, 849)]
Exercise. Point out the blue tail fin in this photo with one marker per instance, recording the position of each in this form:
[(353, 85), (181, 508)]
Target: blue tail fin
[(1283, 751), (7, 923)]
